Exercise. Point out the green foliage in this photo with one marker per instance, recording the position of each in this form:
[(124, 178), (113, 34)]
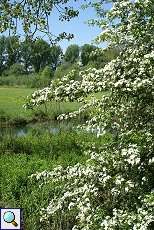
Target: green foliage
[(43, 144), (32, 54), (26, 53), (55, 56), (28, 56), (16, 69), (64, 69), (40, 54), (12, 50), (86, 51), (72, 54)]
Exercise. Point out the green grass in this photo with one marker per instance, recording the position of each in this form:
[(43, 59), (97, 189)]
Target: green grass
[(12, 100), (19, 192), (17, 189)]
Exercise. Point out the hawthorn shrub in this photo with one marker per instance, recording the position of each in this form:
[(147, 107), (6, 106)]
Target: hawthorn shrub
[(114, 189)]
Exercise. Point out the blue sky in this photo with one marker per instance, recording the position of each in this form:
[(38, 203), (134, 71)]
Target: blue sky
[(78, 26), (83, 33)]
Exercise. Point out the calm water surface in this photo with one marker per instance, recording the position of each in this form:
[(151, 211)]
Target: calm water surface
[(52, 127)]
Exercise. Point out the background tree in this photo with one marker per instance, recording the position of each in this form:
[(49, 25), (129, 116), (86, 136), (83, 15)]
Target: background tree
[(72, 53), (2, 53), (12, 50), (26, 53), (86, 51), (56, 54), (40, 54)]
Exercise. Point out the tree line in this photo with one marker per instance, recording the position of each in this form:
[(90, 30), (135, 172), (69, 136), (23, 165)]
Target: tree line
[(34, 55)]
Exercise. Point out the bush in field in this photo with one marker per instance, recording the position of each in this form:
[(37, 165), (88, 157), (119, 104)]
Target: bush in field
[(45, 76), (64, 69), (47, 73), (16, 69), (114, 189)]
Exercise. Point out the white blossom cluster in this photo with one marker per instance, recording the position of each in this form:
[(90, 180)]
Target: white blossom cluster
[(81, 188), (68, 90), (134, 221), (131, 155)]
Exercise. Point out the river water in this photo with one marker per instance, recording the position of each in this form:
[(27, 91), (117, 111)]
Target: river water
[(52, 126)]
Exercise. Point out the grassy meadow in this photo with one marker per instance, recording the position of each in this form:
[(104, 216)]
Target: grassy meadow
[(11, 102)]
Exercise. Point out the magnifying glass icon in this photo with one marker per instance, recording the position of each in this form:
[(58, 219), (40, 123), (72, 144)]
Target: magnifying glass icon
[(9, 217)]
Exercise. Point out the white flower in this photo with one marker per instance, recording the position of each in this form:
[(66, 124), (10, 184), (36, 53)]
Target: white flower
[(151, 161)]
